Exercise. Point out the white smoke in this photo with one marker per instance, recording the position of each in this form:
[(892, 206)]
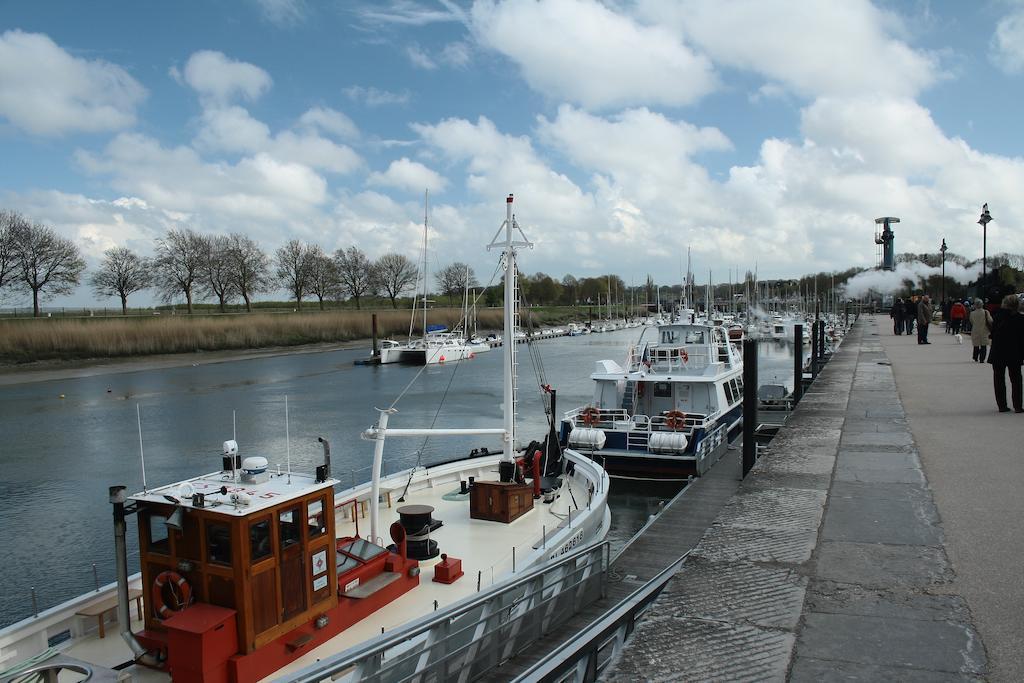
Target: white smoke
[(917, 273)]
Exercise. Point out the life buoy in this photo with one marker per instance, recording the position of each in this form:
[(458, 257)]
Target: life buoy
[(684, 355), (675, 420), (180, 590), (590, 416)]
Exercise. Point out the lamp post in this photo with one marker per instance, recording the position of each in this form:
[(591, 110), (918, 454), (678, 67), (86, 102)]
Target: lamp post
[(942, 249), (985, 219)]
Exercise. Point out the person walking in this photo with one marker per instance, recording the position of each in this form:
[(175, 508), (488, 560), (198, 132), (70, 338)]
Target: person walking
[(947, 308), (957, 314), (909, 314), (1007, 353), (896, 313), (924, 319), (981, 327)]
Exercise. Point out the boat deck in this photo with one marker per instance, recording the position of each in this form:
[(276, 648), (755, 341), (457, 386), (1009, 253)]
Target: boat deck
[(485, 548)]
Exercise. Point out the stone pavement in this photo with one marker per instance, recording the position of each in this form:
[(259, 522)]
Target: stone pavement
[(829, 562)]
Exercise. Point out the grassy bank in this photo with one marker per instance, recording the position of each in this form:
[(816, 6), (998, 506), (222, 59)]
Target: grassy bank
[(46, 339)]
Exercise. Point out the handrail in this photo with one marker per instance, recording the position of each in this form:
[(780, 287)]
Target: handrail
[(582, 645), (377, 646)]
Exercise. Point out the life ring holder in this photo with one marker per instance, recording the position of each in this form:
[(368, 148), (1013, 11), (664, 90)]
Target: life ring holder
[(685, 357), (178, 583), (675, 420), (590, 416)]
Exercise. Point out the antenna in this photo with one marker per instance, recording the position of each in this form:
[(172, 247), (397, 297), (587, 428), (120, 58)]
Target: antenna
[(142, 457), (234, 457), (287, 439)]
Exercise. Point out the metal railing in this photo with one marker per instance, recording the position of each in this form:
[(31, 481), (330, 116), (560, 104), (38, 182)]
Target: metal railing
[(471, 637), (584, 658), (610, 418)]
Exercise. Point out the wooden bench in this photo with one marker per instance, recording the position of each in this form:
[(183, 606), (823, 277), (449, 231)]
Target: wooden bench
[(100, 608)]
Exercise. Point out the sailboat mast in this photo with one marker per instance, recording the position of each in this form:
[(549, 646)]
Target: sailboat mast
[(426, 200)]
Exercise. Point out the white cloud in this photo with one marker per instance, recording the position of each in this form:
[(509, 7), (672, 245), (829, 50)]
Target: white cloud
[(1007, 48), (584, 52), (46, 91), (408, 13), (375, 97), (419, 58), (329, 121), (314, 151), (823, 48), (456, 54), (283, 13), (231, 129), (409, 175), (217, 77)]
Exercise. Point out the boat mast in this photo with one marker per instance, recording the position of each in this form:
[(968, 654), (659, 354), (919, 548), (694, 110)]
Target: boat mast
[(426, 199), (509, 245)]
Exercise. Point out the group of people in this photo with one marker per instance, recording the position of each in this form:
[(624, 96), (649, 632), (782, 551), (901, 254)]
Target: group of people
[(999, 336), (905, 313)]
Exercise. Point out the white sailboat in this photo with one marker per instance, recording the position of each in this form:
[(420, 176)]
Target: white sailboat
[(437, 345)]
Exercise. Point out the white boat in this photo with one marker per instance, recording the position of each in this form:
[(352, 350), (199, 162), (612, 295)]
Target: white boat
[(437, 345), (670, 412), (249, 573)]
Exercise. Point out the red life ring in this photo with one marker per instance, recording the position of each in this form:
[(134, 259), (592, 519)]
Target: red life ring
[(684, 355), (590, 416), (180, 590), (675, 420)]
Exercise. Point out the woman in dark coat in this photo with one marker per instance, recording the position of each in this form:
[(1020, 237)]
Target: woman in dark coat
[(1007, 353)]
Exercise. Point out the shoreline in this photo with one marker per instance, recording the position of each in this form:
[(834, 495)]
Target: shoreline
[(49, 370)]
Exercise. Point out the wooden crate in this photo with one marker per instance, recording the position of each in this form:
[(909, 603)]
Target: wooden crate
[(500, 501)]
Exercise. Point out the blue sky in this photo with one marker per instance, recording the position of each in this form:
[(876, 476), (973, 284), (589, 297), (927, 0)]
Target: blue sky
[(754, 131)]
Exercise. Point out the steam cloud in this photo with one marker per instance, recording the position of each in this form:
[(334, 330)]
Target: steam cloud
[(892, 281)]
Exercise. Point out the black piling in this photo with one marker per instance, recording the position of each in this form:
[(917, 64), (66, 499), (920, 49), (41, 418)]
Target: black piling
[(798, 363), (821, 343), (373, 333), (814, 350), (749, 403)]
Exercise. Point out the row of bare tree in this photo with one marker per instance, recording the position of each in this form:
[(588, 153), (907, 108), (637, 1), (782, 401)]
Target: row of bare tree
[(194, 266)]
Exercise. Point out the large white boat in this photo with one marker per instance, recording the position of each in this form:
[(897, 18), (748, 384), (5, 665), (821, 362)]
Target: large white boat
[(670, 412), (248, 572)]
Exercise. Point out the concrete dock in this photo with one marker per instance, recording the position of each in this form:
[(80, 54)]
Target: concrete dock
[(878, 538)]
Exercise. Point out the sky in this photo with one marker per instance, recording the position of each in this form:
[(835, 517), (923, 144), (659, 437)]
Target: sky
[(756, 133)]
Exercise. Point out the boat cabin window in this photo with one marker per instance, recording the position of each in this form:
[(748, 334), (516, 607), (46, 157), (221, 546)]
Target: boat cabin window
[(187, 543), (670, 336), (662, 390), (729, 395), (159, 540), (288, 526), (218, 543), (315, 522), (259, 540), (694, 337)]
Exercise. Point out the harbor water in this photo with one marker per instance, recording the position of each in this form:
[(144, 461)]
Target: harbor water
[(65, 441)]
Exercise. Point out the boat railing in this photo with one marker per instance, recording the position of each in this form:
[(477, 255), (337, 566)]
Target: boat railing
[(666, 359), (620, 419), (475, 635)]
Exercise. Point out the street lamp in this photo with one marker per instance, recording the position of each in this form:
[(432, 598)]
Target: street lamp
[(943, 250), (985, 219)]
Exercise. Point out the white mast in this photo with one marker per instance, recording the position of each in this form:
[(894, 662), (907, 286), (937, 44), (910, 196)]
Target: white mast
[(508, 245), (426, 199)]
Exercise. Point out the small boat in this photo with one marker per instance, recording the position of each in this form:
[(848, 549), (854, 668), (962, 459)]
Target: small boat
[(670, 412)]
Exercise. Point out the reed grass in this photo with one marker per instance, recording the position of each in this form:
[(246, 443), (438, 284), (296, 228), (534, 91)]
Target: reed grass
[(44, 339)]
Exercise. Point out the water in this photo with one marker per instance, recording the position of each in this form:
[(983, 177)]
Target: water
[(58, 456)]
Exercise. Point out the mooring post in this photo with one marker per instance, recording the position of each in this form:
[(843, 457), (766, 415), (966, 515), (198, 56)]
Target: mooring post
[(749, 403), (373, 333), (821, 343), (814, 350), (798, 363)]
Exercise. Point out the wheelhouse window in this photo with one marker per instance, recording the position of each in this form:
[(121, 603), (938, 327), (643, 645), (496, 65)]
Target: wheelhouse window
[(218, 543), (259, 540), (288, 527), (316, 524), (159, 539), (662, 390), (695, 337), (670, 336)]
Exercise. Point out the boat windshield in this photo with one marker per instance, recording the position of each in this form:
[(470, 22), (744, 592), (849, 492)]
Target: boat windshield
[(682, 336)]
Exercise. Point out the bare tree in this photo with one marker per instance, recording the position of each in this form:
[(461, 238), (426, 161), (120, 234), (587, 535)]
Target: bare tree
[(10, 223), (356, 273), (294, 262), (122, 273), (323, 275), (178, 264), (217, 270), (250, 268), (396, 274), (451, 280), (47, 263)]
